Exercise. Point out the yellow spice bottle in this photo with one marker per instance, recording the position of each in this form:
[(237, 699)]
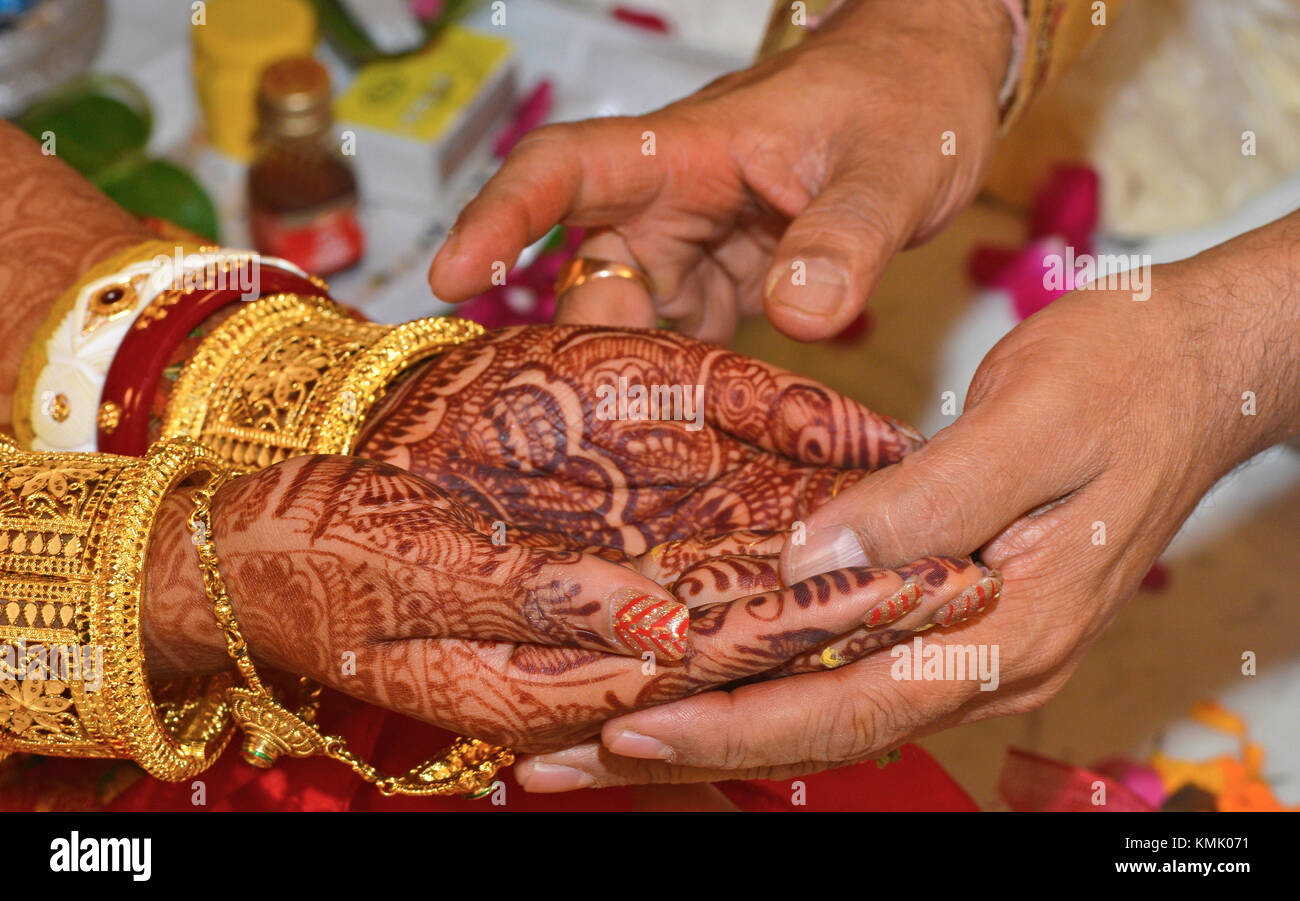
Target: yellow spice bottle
[(234, 40)]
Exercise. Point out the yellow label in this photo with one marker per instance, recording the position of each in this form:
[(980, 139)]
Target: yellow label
[(419, 96)]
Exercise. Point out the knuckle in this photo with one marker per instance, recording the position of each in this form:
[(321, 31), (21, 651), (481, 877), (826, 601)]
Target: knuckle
[(1029, 699), (852, 726), (736, 752), (545, 139), (632, 771), (847, 222)]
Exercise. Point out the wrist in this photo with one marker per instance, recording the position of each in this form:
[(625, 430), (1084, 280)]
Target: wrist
[(178, 628), (979, 33), (1240, 304)]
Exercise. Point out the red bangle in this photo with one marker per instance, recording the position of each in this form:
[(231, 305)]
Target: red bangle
[(137, 367)]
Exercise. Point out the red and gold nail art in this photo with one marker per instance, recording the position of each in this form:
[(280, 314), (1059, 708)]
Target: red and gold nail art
[(969, 602), (896, 606), (643, 622)]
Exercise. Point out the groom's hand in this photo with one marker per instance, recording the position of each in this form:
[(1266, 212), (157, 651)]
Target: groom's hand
[(1090, 433), (782, 189)]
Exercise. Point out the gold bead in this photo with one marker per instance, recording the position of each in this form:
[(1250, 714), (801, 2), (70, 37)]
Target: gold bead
[(110, 414), (260, 749)]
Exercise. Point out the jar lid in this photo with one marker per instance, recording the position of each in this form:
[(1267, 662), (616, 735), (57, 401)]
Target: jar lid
[(254, 32), (293, 98)]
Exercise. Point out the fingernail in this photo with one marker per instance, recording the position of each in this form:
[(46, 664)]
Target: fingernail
[(970, 602), (643, 622), (447, 250), (813, 286), (917, 438), (902, 601), (634, 744), (826, 550), (551, 777)]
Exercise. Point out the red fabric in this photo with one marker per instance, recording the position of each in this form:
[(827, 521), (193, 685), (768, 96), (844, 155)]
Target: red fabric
[(395, 743), (1030, 782)]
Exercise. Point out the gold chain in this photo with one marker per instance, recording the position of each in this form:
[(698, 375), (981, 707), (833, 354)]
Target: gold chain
[(467, 767)]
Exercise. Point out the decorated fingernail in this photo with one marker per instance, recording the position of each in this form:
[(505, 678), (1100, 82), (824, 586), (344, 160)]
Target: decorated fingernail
[(634, 744), (969, 602), (643, 622), (833, 659), (900, 603)]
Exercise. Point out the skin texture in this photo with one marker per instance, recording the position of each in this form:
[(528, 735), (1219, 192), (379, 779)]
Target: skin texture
[(783, 188), (327, 557), (1099, 409), (511, 429)]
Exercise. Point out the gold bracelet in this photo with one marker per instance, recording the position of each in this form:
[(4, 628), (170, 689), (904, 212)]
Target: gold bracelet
[(291, 375), (467, 767), (74, 540)]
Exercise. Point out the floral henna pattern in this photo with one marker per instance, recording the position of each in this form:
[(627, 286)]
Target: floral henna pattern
[(381, 586), (726, 578), (377, 585), (59, 226), (496, 640), (516, 425), (392, 557)]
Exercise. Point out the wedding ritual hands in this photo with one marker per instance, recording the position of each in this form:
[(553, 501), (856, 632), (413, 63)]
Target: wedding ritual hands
[(515, 562)]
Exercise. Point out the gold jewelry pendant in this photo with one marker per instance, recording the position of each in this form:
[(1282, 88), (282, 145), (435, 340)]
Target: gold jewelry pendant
[(270, 730)]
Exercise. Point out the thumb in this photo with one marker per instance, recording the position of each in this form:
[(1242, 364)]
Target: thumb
[(832, 256), (950, 497)]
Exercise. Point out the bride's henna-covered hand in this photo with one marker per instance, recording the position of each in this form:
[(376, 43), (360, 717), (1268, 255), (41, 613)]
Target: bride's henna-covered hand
[(372, 581), (523, 426), (352, 551)]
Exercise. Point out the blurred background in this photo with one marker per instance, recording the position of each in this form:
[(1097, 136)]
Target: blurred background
[(1179, 129)]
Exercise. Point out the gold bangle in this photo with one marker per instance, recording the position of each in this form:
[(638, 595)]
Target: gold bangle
[(580, 270), (290, 375), (75, 320), (57, 398), (467, 767), (74, 540)]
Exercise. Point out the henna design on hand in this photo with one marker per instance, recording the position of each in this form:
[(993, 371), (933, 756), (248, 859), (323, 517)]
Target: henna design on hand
[(511, 425)]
